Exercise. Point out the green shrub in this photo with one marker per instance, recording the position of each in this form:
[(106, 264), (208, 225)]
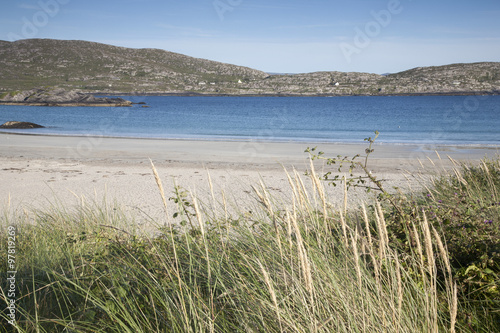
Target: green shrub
[(464, 207)]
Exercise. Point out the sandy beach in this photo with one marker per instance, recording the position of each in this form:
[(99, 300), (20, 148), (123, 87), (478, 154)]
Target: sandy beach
[(40, 171)]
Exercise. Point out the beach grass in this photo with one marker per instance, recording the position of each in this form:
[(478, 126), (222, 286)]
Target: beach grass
[(413, 262)]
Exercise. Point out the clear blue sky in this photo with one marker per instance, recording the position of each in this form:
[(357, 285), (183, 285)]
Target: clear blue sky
[(292, 36)]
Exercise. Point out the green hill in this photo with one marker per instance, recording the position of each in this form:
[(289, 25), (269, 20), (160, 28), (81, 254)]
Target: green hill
[(94, 67)]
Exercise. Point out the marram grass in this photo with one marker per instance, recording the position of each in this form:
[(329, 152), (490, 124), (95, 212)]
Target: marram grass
[(304, 268)]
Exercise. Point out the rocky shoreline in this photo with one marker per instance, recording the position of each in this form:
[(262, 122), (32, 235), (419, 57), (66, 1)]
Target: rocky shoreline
[(197, 94), (65, 104), (59, 97)]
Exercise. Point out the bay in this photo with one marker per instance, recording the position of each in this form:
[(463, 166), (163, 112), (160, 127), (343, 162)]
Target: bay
[(469, 120)]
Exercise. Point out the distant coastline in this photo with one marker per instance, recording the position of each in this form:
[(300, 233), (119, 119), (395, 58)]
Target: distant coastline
[(197, 94)]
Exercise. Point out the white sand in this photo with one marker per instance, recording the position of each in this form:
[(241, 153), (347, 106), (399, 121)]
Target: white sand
[(38, 170)]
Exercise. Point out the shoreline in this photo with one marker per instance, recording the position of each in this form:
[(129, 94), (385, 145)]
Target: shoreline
[(200, 94), (258, 140), (66, 104)]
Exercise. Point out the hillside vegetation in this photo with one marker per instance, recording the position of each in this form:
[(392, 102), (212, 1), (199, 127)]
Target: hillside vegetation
[(93, 67)]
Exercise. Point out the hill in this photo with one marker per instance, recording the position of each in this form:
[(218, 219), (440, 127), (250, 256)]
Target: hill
[(99, 68), (95, 67)]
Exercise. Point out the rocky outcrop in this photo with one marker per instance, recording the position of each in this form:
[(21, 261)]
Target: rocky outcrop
[(20, 125), (58, 97)]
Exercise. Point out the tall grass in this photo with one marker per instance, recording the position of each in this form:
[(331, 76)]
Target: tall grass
[(296, 266)]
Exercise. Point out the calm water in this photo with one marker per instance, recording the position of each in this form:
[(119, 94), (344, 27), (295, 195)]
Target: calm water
[(416, 119)]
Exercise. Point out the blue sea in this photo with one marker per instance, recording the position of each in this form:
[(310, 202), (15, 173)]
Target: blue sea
[(469, 120)]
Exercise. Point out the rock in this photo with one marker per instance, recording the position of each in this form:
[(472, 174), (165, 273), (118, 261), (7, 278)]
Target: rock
[(20, 125), (60, 97)]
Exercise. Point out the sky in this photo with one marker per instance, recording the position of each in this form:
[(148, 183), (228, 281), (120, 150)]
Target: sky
[(279, 36)]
